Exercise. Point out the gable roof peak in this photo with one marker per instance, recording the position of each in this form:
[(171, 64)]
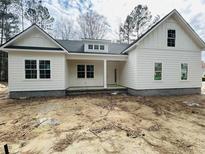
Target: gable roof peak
[(174, 11), (26, 31)]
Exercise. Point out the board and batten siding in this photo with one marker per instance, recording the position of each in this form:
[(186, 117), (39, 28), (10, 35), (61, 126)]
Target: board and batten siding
[(157, 39), (16, 68), (138, 71)]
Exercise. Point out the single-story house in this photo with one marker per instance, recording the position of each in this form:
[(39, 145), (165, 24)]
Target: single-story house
[(166, 60)]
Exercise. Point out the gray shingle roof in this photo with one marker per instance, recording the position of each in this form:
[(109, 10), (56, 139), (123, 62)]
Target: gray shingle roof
[(77, 46)]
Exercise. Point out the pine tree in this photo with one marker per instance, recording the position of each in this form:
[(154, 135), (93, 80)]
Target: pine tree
[(8, 20), (137, 22), (38, 14), (141, 17), (126, 30)]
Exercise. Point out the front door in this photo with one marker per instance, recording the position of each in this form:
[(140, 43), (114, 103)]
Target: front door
[(115, 75)]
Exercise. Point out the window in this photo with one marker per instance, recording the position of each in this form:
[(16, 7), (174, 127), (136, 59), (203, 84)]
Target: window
[(81, 71), (90, 46), (171, 38), (30, 69), (44, 69), (158, 71), (90, 71), (102, 47), (96, 47), (184, 71)]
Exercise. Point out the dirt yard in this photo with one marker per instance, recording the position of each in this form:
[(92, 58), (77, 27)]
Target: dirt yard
[(103, 124)]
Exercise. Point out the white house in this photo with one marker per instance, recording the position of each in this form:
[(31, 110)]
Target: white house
[(166, 60)]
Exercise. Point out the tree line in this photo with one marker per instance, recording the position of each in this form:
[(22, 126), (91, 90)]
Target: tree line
[(16, 15), (92, 25)]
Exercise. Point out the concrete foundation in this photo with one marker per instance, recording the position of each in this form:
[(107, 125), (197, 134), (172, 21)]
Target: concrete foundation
[(144, 92), (28, 94), (164, 92)]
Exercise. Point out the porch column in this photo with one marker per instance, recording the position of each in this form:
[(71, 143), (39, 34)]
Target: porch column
[(105, 73)]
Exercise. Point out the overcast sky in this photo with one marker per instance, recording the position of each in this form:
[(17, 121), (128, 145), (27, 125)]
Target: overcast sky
[(116, 11)]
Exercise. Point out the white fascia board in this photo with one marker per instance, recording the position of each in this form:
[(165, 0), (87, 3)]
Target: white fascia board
[(28, 50), (82, 56)]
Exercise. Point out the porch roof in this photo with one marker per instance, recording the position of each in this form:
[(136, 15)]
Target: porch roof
[(77, 46), (98, 56)]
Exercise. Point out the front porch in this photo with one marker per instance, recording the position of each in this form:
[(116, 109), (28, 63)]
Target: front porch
[(96, 72), (110, 88)]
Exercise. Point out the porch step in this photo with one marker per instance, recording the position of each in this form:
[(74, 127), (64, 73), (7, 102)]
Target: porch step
[(71, 92)]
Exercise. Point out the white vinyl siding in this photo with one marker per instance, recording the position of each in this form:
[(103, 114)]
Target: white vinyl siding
[(171, 69), (137, 72), (17, 81), (98, 73), (74, 81), (128, 72), (34, 38)]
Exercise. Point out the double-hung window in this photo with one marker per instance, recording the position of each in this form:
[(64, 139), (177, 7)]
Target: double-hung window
[(81, 71), (171, 37), (90, 71), (184, 71), (30, 69), (90, 46), (85, 71), (158, 71), (96, 47), (44, 69), (102, 47)]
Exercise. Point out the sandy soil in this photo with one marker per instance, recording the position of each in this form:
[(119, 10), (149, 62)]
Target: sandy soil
[(105, 124)]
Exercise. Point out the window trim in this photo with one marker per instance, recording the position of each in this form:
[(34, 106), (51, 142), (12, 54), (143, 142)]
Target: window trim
[(181, 71), (96, 45), (85, 66), (161, 72), (37, 65), (80, 71), (171, 38), (90, 71), (89, 46), (43, 69), (26, 69), (103, 47)]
